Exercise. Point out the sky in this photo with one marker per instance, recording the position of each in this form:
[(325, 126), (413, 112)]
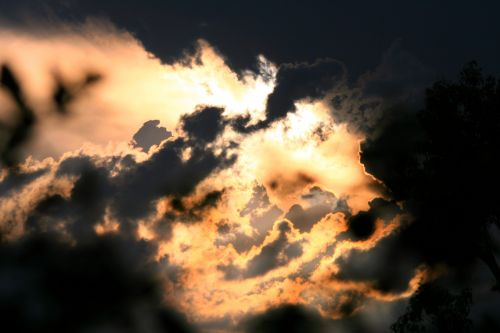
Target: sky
[(234, 166)]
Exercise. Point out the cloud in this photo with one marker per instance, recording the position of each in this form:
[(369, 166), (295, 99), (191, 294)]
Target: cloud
[(319, 204), (105, 284), (150, 134), (296, 82), (204, 125), (242, 206), (61, 229), (272, 255), (135, 86), (362, 225), (14, 181), (150, 181), (395, 88), (385, 266), (290, 33), (83, 210), (286, 318)]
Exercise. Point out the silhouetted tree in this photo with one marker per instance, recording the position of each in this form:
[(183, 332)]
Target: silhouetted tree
[(433, 308), (462, 125), (442, 164)]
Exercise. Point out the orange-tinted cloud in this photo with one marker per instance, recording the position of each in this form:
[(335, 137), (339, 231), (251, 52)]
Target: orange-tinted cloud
[(220, 209)]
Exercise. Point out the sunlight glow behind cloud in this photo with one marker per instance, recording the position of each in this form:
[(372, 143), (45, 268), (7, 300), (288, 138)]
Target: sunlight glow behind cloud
[(240, 257)]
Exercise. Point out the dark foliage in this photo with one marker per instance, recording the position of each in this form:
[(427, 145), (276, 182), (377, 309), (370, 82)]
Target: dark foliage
[(441, 163), (435, 309)]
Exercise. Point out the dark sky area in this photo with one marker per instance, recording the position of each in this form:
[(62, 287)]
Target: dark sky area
[(443, 35)]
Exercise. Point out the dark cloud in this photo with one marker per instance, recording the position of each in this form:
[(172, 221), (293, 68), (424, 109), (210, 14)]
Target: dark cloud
[(150, 134), (320, 203), (282, 185), (239, 240), (78, 214), (400, 75), (132, 193), (286, 32), (384, 209), (309, 267), (49, 214), (262, 215), (259, 199), (385, 266), (204, 124), (305, 219), (263, 222), (295, 82), (61, 276), (107, 284), (395, 88), (362, 225), (286, 318), (273, 255), (194, 211), (16, 180), (223, 228), (126, 189), (165, 173), (345, 303)]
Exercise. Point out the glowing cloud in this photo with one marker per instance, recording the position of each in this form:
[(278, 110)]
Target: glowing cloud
[(265, 214)]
